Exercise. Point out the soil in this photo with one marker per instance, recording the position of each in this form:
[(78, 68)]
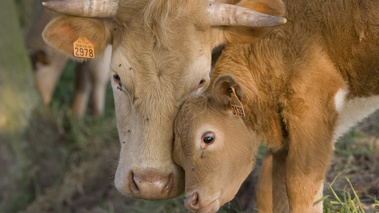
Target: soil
[(76, 175)]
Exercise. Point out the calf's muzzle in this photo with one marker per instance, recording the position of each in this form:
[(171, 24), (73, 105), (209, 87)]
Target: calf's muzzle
[(194, 204)]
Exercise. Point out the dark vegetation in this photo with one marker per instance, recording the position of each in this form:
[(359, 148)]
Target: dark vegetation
[(68, 165), (63, 164)]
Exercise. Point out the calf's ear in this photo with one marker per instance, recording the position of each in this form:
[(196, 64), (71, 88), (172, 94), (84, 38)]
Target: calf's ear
[(62, 32), (222, 90), (251, 34)]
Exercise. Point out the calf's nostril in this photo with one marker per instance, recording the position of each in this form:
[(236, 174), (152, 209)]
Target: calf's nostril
[(195, 199), (192, 202)]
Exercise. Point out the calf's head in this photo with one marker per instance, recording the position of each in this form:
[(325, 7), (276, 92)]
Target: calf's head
[(161, 56), (214, 146)]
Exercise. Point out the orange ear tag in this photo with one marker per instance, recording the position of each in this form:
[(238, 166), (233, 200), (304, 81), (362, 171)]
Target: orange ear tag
[(236, 104), (83, 48)]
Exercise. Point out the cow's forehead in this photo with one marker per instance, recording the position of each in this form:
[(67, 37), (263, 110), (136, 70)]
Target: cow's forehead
[(141, 58), (140, 49), (158, 78)]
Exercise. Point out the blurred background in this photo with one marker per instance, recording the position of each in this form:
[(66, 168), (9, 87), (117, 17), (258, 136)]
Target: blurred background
[(59, 144)]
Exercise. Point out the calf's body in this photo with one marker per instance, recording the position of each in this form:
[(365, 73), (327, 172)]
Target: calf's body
[(301, 88)]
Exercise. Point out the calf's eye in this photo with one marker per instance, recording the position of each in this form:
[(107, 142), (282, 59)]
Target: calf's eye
[(208, 138)]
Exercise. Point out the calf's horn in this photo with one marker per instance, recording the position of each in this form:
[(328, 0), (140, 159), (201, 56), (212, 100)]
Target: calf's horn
[(231, 15), (85, 8)]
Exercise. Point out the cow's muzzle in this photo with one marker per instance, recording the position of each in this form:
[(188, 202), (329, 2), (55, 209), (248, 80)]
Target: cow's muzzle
[(150, 185)]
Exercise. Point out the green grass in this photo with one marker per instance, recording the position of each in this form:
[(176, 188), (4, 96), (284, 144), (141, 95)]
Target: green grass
[(344, 201), (64, 163)]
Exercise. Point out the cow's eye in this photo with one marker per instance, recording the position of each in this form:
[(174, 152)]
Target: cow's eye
[(208, 138), (201, 83), (117, 78)]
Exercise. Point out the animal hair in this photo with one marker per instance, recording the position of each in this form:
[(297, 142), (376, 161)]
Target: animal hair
[(162, 16)]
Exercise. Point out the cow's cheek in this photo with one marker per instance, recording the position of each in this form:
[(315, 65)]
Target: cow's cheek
[(123, 112)]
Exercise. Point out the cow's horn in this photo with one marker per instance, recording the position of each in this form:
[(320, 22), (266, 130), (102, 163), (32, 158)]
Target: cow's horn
[(84, 8), (231, 15)]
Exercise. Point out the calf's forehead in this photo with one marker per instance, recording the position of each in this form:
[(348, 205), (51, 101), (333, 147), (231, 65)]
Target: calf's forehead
[(195, 117)]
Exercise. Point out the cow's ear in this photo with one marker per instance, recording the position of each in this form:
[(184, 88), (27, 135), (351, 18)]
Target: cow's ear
[(251, 34), (224, 87), (62, 32)]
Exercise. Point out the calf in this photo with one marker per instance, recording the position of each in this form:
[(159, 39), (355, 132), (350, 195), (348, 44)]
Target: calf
[(298, 90)]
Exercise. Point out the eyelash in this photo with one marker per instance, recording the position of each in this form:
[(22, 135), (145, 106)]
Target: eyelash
[(117, 80), (201, 83), (207, 139)]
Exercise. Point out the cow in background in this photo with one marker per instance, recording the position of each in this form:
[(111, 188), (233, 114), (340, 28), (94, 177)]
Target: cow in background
[(161, 55), (297, 90), (91, 77)]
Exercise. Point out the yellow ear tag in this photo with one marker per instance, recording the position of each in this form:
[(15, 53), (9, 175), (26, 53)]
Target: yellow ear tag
[(83, 48), (236, 104)]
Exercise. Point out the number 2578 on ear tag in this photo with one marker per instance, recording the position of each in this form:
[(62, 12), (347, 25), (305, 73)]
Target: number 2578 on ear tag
[(83, 48)]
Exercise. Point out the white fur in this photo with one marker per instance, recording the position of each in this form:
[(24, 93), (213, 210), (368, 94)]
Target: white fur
[(318, 207), (352, 111), (199, 70), (340, 99)]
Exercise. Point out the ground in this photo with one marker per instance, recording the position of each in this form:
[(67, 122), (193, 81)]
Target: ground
[(68, 165)]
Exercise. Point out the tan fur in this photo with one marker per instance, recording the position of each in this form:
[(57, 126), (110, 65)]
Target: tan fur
[(203, 166), (248, 35), (161, 53), (64, 31), (290, 79)]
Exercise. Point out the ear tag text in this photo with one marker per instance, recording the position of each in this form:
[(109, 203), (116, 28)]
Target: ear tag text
[(83, 48), (236, 104)]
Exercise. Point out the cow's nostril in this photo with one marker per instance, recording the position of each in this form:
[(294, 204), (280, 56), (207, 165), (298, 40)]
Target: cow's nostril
[(133, 184), (150, 185), (169, 184)]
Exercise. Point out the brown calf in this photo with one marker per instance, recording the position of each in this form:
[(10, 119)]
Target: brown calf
[(301, 88)]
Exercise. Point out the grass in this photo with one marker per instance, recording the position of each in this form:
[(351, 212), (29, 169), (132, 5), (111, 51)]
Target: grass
[(356, 160), (64, 165), (345, 202)]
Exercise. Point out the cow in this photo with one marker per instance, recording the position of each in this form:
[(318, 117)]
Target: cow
[(161, 55), (48, 65), (297, 90)]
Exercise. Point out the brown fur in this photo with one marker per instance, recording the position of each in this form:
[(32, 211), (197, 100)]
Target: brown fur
[(291, 79), (161, 53)]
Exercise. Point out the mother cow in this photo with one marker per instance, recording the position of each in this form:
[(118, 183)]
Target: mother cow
[(161, 55)]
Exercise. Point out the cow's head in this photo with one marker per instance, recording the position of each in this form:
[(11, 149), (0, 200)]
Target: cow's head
[(161, 56), (214, 146)]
